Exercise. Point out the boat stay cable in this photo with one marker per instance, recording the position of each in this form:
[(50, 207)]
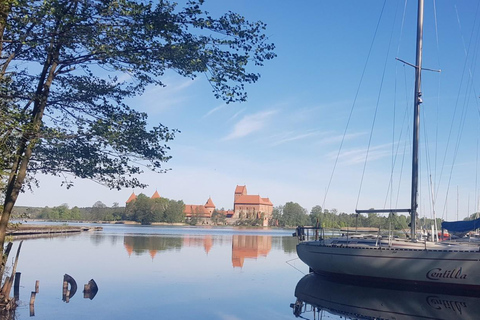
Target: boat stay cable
[(354, 103)]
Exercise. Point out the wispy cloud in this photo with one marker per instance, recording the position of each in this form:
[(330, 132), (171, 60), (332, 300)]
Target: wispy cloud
[(249, 124), (158, 98), (214, 110), (236, 114), (330, 139), (357, 155), (294, 137)]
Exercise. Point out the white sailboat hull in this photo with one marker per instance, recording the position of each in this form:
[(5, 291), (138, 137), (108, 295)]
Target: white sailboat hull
[(433, 266)]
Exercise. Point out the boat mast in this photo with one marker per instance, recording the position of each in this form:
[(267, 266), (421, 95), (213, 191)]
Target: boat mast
[(416, 120)]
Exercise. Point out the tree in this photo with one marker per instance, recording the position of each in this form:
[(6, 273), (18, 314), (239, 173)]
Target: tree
[(142, 209), (316, 216), (294, 215), (219, 217), (63, 109), (99, 210), (174, 212)]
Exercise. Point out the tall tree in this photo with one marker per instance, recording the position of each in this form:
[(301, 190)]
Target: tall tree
[(294, 215), (62, 95), (174, 212)]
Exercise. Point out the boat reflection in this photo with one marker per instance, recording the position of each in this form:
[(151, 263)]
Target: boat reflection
[(315, 295)]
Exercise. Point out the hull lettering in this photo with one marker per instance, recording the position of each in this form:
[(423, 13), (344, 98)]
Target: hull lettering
[(439, 273)]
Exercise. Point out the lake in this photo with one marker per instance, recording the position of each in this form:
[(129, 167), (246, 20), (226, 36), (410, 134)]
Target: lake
[(146, 272), (150, 272)]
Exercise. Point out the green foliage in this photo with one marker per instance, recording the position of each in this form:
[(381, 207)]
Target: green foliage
[(290, 215), (146, 210), (68, 67), (218, 217), (77, 52), (98, 212)]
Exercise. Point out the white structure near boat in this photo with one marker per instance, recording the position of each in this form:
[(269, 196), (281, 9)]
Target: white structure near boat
[(401, 261)]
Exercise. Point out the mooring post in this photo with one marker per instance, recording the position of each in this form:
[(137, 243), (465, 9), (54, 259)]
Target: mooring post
[(37, 286), (32, 304), (16, 286), (32, 298)]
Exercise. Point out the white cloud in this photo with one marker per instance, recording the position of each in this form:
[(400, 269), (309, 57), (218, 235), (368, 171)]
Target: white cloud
[(296, 137), (355, 156), (331, 139), (215, 110), (236, 115), (249, 124), (158, 98)]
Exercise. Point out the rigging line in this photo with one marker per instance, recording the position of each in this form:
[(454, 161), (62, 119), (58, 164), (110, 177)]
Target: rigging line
[(398, 144), (405, 117), (466, 52), (354, 103), (469, 87), (467, 97), (291, 265), (435, 162), (402, 26), (476, 180), (375, 113), (390, 184), (394, 155)]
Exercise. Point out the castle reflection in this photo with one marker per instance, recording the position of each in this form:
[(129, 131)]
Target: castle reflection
[(243, 246), (250, 247)]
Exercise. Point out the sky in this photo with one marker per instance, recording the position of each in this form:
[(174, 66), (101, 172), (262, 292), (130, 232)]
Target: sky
[(334, 96)]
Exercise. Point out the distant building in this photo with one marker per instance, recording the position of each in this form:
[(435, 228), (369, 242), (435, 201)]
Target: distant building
[(251, 206), (245, 206), (199, 210), (133, 196)]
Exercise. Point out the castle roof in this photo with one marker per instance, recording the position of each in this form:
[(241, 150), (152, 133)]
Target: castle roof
[(209, 203), (241, 189), (195, 209), (253, 199), (132, 197), (156, 195)]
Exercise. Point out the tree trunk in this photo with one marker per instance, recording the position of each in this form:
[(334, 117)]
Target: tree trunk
[(28, 141)]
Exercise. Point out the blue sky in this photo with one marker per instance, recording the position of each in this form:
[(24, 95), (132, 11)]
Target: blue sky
[(284, 141)]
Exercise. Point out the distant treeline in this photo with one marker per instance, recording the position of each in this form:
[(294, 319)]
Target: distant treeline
[(146, 211), (98, 212), (292, 214)]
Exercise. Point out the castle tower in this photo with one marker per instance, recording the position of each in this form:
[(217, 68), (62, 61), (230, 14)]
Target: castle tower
[(239, 191), (133, 196), (209, 206), (156, 195)]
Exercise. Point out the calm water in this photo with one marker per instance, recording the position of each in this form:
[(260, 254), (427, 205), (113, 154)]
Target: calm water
[(163, 273), (204, 273)]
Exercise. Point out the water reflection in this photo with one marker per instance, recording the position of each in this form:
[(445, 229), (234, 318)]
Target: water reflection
[(243, 246), (315, 295), (250, 247), (141, 244)]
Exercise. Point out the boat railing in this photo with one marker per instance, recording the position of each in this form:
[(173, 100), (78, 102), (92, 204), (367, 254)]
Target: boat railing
[(307, 233)]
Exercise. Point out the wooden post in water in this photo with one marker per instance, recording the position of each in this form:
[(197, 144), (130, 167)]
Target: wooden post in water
[(37, 286), (16, 286), (32, 304), (65, 290)]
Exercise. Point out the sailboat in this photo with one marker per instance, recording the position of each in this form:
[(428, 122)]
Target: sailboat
[(398, 261)]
